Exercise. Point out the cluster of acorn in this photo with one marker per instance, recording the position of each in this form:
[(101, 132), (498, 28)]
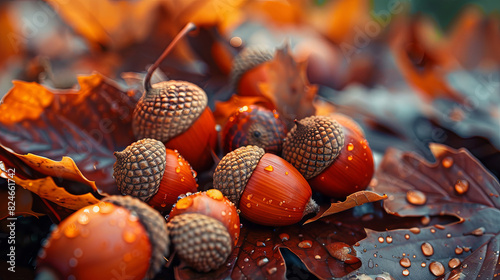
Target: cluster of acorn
[(266, 176)]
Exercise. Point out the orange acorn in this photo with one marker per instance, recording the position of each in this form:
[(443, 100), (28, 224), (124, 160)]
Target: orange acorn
[(267, 189), (348, 169), (119, 236), (153, 174), (176, 113), (254, 125), (249, 69), (204, 228)]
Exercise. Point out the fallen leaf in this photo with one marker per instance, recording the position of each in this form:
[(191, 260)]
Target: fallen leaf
[(86, 125), (288, 87), (353, 200), (439, 188)]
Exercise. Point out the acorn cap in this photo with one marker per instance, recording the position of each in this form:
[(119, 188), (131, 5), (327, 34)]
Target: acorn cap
[(139, 168), (313, 144), (202, 241), (234, 170), (168, 109), (154, 224), (247, 59)]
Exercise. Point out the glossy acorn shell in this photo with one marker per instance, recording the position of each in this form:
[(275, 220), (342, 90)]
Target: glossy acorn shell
[(179, 178), (197, 143), (104, 240), (276, 194), (211, 203), (267, 189), (254, 125), (351, 171)]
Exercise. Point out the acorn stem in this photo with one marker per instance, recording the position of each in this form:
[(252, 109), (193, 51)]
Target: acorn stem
[(147, 80), (311, 208)]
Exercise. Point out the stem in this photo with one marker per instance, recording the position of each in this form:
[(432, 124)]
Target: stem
[(147, 80)]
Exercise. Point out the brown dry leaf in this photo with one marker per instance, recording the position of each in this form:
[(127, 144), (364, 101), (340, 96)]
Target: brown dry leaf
[(353, 200), (289, 89)]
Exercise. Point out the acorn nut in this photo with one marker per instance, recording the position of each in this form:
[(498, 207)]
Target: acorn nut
[(176, 113), (119, 235), (204, 228), (249, 69), (156, 175), (267, 189), (254, 125)]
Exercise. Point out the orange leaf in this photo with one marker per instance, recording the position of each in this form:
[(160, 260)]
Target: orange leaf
[(353, 200)]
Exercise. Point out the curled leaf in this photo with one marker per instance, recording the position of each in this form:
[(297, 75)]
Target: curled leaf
[(353, 200)]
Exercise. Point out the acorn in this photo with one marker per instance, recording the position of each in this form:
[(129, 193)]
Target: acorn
[(204, 228), (176, 113), (340, 171), (249, 69), (254, 125), (156, 175), (267, 189), (118, 236)]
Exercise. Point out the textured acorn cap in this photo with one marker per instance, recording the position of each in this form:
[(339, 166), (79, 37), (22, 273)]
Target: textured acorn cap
[(234, 170), (313, 144), (154, 224), (201, 241), (167, 110), (139, 168), (247, 59)]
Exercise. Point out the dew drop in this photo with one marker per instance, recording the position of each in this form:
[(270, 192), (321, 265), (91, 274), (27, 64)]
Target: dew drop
[(129, 237), (272, 270), (350, 147), (106, 207), (370, 263), (448, 235), (215, 194), (405, 262), (83, 219), (260, 244), (286, 173), (246, 259), (42, 254), (466, 249), (436, 268), (433, 230), (249, 197), (415, 230), (133, 218), (427, 249), (71, 231), (178, 169), (269, 168), (73, 262), (453, 263), (349, 158), (388, 239), (447, 162), (459, 250), (416, 197), (406, 272), (461, 186), (163, 205), (342, 252), (407, 236), (425, 220), (184, 202), (249, 205), (423, 264), (96, 209), (305, 244), (381, 239), (262, 261), (78, 252), (478, 231), (284, 237), (318, 257)]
